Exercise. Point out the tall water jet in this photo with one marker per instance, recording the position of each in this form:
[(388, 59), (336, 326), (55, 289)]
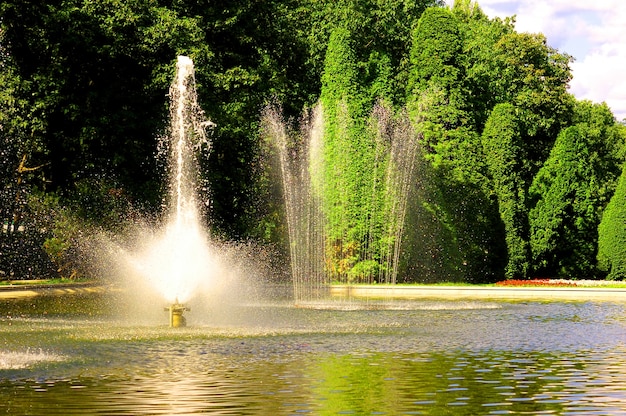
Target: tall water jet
[(187, 135), (180, 259), (402, 149), (299, 158)]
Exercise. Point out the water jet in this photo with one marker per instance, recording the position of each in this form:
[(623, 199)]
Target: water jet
[(345, 213), (178, 260), (185, 243)]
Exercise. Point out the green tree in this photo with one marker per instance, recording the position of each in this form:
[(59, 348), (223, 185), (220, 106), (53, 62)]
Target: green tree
[(347, 170), (503, 147), (98, 74), (504, 66), (456, 196), (89, 68), (571, 190), (612, 234), (21, 154), (480, 37), (434, 91), (534, 78), (463, 65), (258, 55), (381, 31)]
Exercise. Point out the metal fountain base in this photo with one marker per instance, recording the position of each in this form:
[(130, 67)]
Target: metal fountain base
[(176, 310)]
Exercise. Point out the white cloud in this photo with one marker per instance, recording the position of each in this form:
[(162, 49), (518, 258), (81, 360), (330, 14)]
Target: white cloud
[(600, 76), (594, 32)]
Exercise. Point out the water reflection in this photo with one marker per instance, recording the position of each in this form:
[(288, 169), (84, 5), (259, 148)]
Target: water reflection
[(515, 358)]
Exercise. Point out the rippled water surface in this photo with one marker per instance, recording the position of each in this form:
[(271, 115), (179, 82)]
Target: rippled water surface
[(422, 357)]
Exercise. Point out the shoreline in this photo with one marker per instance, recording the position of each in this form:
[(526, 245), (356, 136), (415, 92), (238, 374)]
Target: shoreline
[(29, 289), (26, 289), (478, 292)]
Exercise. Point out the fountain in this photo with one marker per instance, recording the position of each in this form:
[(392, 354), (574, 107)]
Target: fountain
[(299, 156), (187, 133), (304, 172), (177, 261), (180, 259)]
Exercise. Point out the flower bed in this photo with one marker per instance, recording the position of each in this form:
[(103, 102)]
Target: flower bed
[(536, 282)]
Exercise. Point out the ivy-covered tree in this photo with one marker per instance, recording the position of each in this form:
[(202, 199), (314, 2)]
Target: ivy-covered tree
[(435, 90), (347, 156), (503, 147), (381, 32)]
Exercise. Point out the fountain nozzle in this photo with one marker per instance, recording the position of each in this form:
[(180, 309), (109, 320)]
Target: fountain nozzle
[(176, 311)]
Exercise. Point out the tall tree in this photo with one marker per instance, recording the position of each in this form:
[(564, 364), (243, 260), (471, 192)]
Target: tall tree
[(504, 66), (571, 190), (381, 31), (503, 147), (347, 172), (612, 234), (534, 78), (435, 76), (455, 197)]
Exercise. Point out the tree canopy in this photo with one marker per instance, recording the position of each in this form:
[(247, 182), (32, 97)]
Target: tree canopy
[(515, 173)]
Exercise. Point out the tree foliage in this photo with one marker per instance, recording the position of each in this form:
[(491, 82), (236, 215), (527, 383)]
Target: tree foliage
[(457, 197), (503, 146), (354, 164), (571, 190), (612, 234), (381, 32), (504, 190)]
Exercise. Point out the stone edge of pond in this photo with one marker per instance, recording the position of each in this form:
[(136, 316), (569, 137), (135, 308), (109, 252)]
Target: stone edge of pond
[(368, 291), (469, 292), (24, 290)]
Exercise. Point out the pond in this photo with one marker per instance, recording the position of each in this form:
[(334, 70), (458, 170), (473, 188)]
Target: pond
[(71, 355)]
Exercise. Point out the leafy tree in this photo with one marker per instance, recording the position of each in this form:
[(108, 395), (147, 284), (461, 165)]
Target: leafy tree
[(503, 147), (258, 52), (612, 234), (90, 74), (456, 195), (504, 66), (381, 32), (571, 190), (477, 68), (480, 36), (533, 77), (347, 171), (98, 72), (21, 155), (435, 76)]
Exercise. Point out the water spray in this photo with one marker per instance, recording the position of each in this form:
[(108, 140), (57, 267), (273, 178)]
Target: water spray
[(176, 311)]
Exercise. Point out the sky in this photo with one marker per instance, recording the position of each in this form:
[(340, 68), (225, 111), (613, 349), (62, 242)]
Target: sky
[(592, 31)]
